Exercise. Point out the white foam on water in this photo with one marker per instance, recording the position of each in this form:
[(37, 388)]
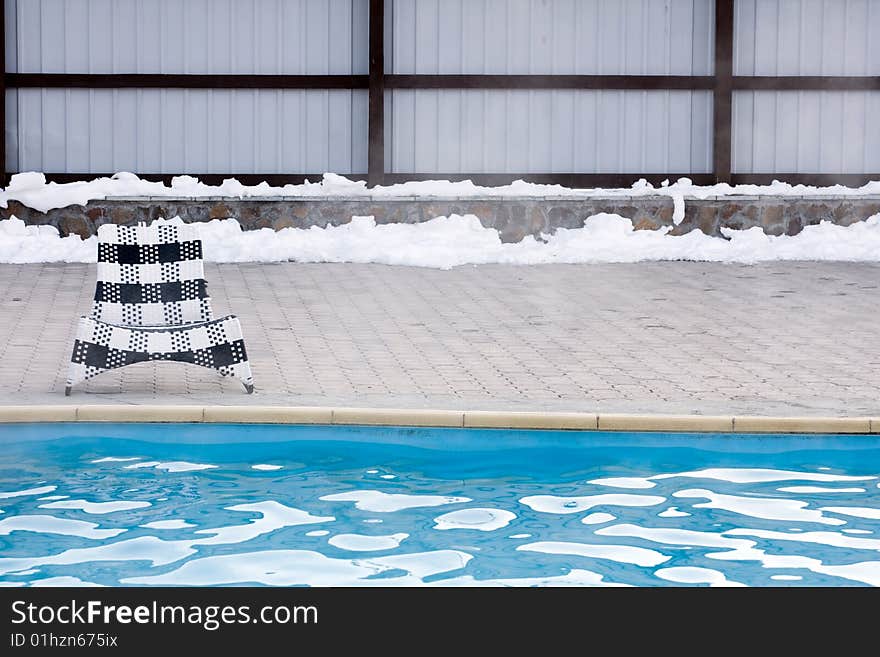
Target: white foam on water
[(373, 521), (266, 467), (268, 567), (558, 504), (520, 536), (597, 518), (51, 525), (379, 502), (623, 482), (767, 508), (673, 536), (143, 548), (620, 553), (183, 466), (317, 532), (574, 577), (96, 508), (52, 497), (759, 475), (364, 543), (424, 564), (484, 520), (867, 572), (168, 524), (738, 549), (273, 515), (694, 575), (856, 531), (62, 581), (787, 578), (29, 491), (818, 489), (854, 511), (116, 459), (833, 539), (171, 466), (372, 472), (673, 512), (389, 476), (305, 567)]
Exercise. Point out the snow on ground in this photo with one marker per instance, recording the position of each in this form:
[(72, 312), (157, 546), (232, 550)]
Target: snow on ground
[(443, 242), (32, 190), (447, 242)]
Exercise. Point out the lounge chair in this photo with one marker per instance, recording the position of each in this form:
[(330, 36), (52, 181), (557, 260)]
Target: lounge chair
[(151, 304)]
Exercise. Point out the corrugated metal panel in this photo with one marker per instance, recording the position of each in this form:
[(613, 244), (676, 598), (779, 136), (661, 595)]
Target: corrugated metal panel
[(202, 131), (807, 37), (187, 36), (806, 131), (497, 131), (638, 37)]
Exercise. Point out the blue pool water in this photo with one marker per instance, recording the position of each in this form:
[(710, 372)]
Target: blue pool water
[(296, 505)]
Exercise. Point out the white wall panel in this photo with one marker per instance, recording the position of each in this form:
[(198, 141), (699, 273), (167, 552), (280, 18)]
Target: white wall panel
[(637, 37), (187, 36), (806, 131), (452, 131), (807, 37), (177, 130)]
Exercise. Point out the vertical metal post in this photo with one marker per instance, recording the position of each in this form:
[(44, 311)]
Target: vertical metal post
[(723, 93), (376, 145), (3, 175)]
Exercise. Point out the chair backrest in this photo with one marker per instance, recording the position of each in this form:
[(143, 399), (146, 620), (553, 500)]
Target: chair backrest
[(151, 275)]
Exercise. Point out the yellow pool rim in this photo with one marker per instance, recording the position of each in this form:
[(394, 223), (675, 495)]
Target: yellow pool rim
[(439, 418)]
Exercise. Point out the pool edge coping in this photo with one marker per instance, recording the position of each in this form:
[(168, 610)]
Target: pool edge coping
[(548, 420)]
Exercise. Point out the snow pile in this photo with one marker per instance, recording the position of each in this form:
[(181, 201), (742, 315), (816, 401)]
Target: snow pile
[(447, 242), (32, 190)]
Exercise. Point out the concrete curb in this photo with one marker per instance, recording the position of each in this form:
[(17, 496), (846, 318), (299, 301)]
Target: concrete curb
[(438, 418)]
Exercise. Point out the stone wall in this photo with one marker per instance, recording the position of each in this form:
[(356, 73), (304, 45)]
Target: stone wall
[(514, 218)]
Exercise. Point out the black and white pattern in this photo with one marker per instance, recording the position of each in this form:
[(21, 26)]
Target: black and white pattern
[(152, 303)]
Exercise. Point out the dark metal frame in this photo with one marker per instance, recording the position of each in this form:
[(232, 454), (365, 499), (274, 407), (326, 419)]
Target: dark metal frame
[(722, 84)]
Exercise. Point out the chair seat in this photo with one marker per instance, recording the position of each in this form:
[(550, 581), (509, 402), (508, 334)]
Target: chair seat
[(217, 344), (161, 327)]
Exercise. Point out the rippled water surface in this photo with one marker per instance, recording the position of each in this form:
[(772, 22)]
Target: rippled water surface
[(222, 505)]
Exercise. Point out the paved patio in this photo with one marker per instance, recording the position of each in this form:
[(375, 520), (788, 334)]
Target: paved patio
[(774, 339)]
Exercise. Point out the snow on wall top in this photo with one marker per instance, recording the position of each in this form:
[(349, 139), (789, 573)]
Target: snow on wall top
[(32, 190)]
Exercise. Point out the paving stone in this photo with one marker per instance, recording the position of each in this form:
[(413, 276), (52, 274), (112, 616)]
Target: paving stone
[(677, 337)]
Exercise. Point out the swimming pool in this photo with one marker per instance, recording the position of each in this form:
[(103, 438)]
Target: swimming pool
[(200, 504)]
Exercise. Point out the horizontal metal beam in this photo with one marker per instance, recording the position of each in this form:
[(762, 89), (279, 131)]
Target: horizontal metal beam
[(566, 179), (274, 179), (582, 180), (807, 83), (633, 82), (638, 82), (815, 179), (157, 81)]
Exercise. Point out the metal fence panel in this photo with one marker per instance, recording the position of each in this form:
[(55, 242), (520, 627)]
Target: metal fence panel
[(180, 130), (807, 37), (498, 131), (806, 131), (633, 37), (293, 37)]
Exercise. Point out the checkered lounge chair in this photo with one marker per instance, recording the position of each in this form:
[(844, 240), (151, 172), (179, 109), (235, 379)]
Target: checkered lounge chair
[(151, 304)]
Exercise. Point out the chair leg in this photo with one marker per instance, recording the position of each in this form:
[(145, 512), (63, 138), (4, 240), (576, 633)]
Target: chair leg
[(249, 387), (67, 391)]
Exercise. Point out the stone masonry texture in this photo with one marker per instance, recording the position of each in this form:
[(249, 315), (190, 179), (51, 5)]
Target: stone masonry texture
[(514, 218)]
